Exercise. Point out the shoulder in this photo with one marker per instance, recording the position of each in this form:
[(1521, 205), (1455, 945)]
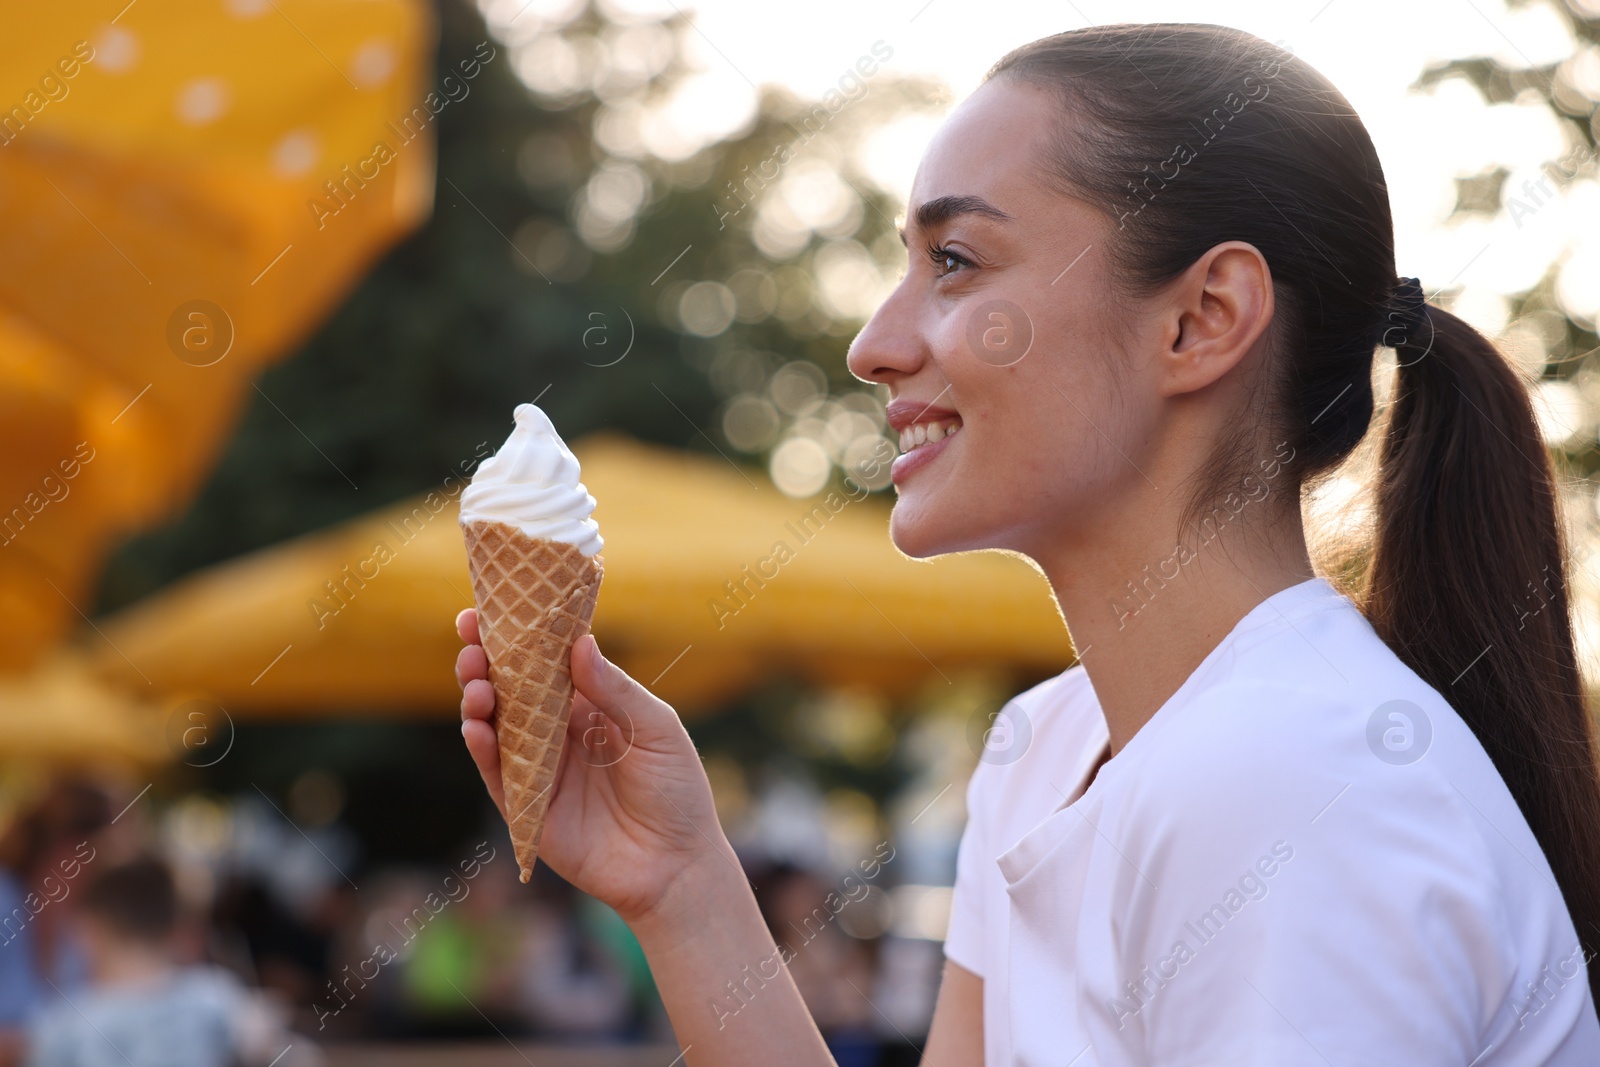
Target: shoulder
[(210, 983), (1288, 745), (1365, 777), (1304, 696), (59, 1029), (1033, 734), (1026, 751), (1060, 706), (1068, 687), (1321, 703), (1315, 798)]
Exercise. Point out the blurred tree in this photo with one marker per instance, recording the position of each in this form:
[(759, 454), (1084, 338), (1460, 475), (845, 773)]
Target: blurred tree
[(549, 256), (1571, 90)]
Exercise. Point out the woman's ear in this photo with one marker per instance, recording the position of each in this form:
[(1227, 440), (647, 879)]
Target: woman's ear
[(1220, 307)]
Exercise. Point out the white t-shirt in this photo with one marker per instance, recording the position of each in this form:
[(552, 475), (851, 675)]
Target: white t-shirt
[(1304, 858), (189, 1018)]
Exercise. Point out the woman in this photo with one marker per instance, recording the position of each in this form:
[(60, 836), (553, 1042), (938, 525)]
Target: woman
[(1256, 825)]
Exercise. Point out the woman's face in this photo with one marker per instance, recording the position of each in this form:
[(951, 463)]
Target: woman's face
[(999, 330)]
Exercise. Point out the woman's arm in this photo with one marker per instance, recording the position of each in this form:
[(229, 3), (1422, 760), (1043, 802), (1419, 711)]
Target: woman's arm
[(956, 1035), (729, 996), (638, 831)]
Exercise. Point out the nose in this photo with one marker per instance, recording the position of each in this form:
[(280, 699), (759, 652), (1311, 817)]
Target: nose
[(891, 344)]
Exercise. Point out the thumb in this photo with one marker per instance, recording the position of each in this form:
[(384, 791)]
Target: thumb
[(610, 688)]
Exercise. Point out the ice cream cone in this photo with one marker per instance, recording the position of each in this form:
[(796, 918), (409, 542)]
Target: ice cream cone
[(535, 598)]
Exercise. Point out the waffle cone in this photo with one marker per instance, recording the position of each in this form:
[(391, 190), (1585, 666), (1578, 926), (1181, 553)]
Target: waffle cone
[(535, 599)]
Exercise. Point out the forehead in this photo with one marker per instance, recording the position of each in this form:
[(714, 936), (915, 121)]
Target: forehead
[(991, 146)]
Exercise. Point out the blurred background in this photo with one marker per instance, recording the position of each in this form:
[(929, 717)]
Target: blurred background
[(273, 274)]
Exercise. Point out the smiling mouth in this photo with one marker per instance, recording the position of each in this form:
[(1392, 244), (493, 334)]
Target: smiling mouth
[(920, 434)]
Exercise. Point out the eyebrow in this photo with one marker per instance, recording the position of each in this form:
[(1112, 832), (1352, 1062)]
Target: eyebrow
[(931, 213)]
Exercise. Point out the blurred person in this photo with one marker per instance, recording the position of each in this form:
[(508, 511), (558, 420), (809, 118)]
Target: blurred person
[(494, 916), (364, 992), (142, 1008), (19, 978), (42, 856), (1261, 821), (440, 978), (609, 937), (568, 985), (452, 976), (832, 971), (286, 949), (63, 833), (423, 953)]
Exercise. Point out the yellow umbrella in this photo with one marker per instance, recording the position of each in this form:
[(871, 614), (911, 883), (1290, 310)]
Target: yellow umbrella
[(185, 190), (59, 715), (713, 581)]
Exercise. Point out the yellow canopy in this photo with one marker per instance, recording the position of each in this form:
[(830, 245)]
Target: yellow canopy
[(58, 715), (160, 241), (713, 579)]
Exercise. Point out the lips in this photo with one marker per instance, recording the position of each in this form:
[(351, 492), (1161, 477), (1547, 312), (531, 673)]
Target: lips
[(925, 431), (905, 412)]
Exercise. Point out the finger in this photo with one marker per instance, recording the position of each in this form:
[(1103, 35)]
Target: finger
[(584, 714), (622, 699), (477, 700), (471, 663), (561, 764), (587, 723), (607, 686), (581, 720), (485, 752), (467, 626), (581, 705)]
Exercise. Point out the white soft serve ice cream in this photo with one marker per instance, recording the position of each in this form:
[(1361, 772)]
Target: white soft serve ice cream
[(532, 483)]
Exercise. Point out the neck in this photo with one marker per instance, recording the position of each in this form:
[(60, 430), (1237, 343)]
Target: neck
[(130, 963), (1144, 612)]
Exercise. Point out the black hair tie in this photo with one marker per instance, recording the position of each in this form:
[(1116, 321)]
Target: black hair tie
[(1407, 322)]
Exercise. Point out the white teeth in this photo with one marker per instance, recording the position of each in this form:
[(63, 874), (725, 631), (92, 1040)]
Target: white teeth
[(927, 433)]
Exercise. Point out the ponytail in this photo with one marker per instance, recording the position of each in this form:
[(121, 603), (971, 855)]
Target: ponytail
[(1466, 582)]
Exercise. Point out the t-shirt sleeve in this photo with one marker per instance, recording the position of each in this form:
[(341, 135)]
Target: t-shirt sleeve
[(975, 864)]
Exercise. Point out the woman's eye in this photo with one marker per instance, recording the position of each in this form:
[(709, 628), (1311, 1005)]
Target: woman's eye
[(945, 261)]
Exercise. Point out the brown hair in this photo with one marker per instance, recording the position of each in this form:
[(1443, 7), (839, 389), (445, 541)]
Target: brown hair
[(1192, 135), (136, 899)]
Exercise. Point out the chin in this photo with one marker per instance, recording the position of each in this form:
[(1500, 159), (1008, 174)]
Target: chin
[(911, 537), (923, 532)]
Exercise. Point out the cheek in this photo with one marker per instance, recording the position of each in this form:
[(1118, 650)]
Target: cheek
[(1041, 433), (1058, 441), (1075, 399), (1036, 466)]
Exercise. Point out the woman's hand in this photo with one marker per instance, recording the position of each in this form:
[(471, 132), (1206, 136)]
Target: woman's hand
[(632, 812), (632, 825)]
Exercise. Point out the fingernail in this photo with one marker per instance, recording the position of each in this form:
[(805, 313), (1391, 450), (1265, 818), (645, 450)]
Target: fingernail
[(463, 730)]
